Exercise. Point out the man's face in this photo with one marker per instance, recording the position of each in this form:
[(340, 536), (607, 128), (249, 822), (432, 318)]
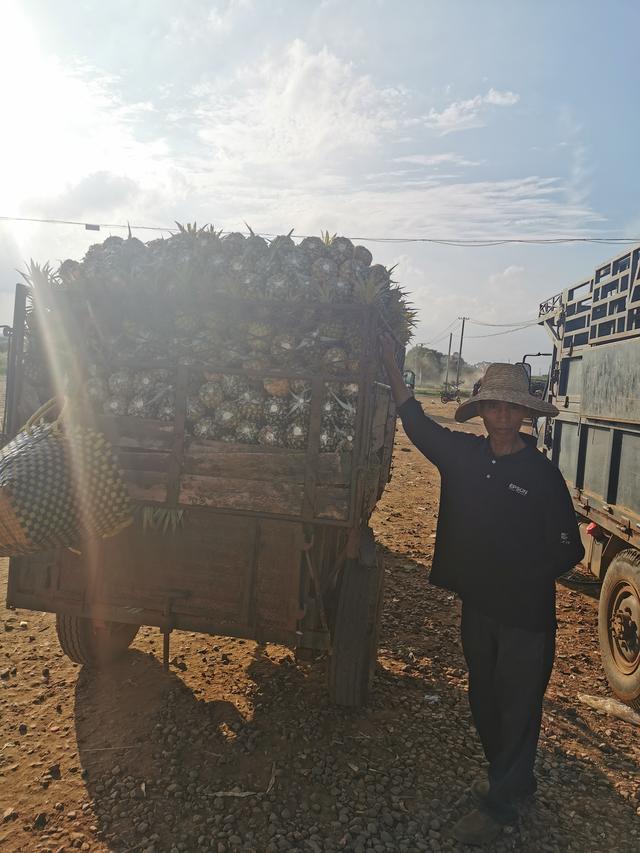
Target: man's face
[(502, 419)]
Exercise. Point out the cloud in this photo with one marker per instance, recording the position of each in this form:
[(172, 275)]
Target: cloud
[(449, 158), (96, 193), (463, 115), (223, 18), (301, 108)]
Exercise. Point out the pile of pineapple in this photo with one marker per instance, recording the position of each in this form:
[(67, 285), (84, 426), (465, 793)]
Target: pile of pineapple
[(254, 320)]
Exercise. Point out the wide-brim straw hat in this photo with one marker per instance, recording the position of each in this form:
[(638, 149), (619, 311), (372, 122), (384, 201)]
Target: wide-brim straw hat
[(504, 383)]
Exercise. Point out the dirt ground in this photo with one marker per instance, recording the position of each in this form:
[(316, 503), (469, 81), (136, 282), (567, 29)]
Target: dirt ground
[(237, 747)]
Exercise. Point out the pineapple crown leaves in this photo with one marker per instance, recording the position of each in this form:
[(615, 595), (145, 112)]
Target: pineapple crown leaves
[(160, 519), (192, 230), (40, 278), (327, 237)]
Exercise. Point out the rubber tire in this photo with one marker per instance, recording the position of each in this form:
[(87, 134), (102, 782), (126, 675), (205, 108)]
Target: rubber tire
[(95, 647), (354, 649), (625, 566)]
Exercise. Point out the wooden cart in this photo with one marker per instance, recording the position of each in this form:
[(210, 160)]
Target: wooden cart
[(274, 546)]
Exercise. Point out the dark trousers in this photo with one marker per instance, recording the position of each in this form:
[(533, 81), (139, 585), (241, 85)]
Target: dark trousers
[(509, 669)]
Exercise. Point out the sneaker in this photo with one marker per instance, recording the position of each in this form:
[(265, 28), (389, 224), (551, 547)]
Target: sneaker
[(476, 828)]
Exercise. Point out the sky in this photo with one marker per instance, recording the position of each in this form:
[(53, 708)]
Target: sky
[(433, 118)]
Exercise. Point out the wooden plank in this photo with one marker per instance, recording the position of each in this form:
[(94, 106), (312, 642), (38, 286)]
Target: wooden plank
[(146, 485), (143, 460), (221, 459), (232, 493), (128, 432), (380, 416), (278, 575), (177, 449), (332, 502), (203, 568)]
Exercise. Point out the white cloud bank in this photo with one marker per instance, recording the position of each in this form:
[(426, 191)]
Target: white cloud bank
[(463, 115)]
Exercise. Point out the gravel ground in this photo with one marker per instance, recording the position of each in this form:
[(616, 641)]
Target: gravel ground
[(237, 748)]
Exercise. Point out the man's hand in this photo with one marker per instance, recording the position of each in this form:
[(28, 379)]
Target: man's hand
[(388, 348)]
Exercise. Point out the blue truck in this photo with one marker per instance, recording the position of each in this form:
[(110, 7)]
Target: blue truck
[(594, 381)]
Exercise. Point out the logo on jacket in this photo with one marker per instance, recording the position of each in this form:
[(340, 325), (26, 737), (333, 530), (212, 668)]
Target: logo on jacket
[(518, 489)]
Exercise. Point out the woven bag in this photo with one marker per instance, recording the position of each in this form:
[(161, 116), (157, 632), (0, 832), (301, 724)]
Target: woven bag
[(59, 484)]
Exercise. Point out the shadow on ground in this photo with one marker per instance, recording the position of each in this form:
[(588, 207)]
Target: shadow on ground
[(167, 770)]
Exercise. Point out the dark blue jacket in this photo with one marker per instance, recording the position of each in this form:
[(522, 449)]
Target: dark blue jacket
[(506, 526)]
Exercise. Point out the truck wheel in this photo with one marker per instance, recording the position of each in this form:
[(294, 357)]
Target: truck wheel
[(86, 643), (619, 626), (354, 650)]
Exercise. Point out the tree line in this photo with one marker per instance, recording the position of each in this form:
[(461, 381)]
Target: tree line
[(430, 367)]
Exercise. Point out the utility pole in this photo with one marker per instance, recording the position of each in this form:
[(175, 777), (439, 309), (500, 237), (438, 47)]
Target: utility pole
[(446, 378), (460, 351)]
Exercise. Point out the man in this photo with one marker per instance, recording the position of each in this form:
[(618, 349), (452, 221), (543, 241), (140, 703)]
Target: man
[(506, 531)]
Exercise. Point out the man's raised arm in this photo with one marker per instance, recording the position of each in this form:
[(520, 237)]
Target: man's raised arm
[(436, 442)]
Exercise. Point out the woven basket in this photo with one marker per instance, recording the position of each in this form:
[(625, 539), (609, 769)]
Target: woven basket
[(59, 485)]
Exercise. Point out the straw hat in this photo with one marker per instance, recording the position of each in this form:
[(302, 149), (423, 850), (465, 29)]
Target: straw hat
[(504, 383)]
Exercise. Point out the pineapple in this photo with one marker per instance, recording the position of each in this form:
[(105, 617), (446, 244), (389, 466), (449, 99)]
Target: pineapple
[(255, 247), (226, 416), (270, 436), (277, 387), (120, 383), (283, 347), (298, 262), (282, 244), (166, 411), (195, 409), (324, 271), (335, 360), (278, 286), (233, 386), (211, 395), (96, 391), (148, 381), (259, 337), (346, 439), (247, 432), (314, 247), (115, 406), (296, 436), (349, 390), (341, 248), (140, 407), (329, 439), (300, 402), (347, 414), (330, 409), (206, 428), (251, 285), (250, 404), (300, 387), (276, 411), (362, 255), (233, 244)]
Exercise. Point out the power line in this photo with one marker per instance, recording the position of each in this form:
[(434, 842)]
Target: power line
[(508, 332), (531, 322), (441, 334), (442, 241)]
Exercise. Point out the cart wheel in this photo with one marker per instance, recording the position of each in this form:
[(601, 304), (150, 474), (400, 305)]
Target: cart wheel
[(619, 626), (85, 643), (357, 626)]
